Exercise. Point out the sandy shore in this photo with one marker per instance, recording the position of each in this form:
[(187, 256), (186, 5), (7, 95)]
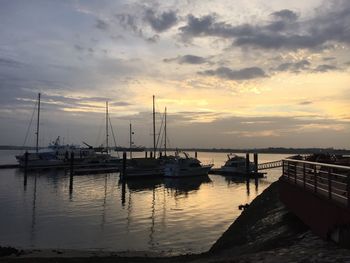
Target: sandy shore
[(265, 232)]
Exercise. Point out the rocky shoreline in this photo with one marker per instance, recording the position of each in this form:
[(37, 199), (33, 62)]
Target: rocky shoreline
[(265, 232)]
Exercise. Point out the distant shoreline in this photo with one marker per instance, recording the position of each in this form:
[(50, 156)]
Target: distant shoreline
[(272, 150)]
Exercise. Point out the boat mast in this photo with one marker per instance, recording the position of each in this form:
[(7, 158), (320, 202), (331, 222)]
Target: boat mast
[(107, 126), (154, 130), (165, 132), (130, 138), (37, 125)]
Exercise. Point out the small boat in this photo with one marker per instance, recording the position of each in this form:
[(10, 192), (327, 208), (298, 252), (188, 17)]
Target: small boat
[(185, 166), (236, 165)]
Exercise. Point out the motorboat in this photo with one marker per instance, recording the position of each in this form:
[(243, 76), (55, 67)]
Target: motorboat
[(237, 165), (185, 166)]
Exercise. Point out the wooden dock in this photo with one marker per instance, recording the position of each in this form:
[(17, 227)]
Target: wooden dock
[(270, 165)]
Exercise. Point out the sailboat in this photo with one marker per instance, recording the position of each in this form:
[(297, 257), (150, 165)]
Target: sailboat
[(145, 167), (58, 155), (40, 157)]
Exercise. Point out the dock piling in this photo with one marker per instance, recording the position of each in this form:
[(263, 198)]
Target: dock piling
[(71, 163), (151, 155), (146, 154), (122, 174), (247, 164), (256, 162), (195, 154)]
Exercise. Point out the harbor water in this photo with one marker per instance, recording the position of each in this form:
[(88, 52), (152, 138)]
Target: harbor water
[(99, 212)]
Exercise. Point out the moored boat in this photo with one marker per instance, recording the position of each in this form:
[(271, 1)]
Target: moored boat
[(185, 167), (237, 166)]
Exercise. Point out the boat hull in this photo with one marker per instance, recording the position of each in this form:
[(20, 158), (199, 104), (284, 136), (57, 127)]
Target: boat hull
[(176, 171)]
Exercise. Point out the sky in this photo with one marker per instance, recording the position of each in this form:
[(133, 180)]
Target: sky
[(232, 74)]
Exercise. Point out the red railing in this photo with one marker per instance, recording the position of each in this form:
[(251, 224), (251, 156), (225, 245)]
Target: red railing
[(325, 180)]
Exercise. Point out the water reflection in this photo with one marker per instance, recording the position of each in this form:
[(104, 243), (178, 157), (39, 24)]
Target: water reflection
[(32, 232), (182, 186), (244, 180), (85, 211)]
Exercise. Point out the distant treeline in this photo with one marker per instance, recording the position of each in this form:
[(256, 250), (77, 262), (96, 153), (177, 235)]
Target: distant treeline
[(277, 150)]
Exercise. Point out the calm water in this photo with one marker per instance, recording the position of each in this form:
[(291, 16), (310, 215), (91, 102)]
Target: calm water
[(175, 216)]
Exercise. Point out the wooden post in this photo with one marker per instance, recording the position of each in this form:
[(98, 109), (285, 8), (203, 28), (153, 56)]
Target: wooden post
[(151, 155), (72, 163), (256, 162), (25, 168), (195, 154), (247, 164), (160, 154), (145, 154), (122, 174)]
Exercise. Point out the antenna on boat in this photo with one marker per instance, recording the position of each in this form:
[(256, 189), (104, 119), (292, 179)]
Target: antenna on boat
[(165, 132), (37, 125), (107, 126), (154, 130)]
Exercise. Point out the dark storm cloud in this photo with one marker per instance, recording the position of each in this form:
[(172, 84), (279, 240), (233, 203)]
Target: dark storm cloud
[(242, 74), (160, 22), (187, 59), (294, 67), (325, 68), (100, 24), (285, 31)]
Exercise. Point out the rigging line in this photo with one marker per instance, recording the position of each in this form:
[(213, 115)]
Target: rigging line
[(160, 132), (30, 124), (161, 140), (115, 143), (99, 133)]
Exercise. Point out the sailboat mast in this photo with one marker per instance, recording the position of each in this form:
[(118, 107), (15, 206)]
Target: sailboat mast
[(130, 138), (165, 132), (154, 130), (107, 126), (37, 125)]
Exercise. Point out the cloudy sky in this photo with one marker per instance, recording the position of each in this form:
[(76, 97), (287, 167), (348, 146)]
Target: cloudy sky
[(231, 73)]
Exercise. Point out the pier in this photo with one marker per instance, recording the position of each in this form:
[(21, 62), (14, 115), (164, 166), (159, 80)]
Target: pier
[(270, 165), (319, 194)]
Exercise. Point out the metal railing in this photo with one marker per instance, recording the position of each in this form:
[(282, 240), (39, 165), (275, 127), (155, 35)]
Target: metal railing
[(325, 180)]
